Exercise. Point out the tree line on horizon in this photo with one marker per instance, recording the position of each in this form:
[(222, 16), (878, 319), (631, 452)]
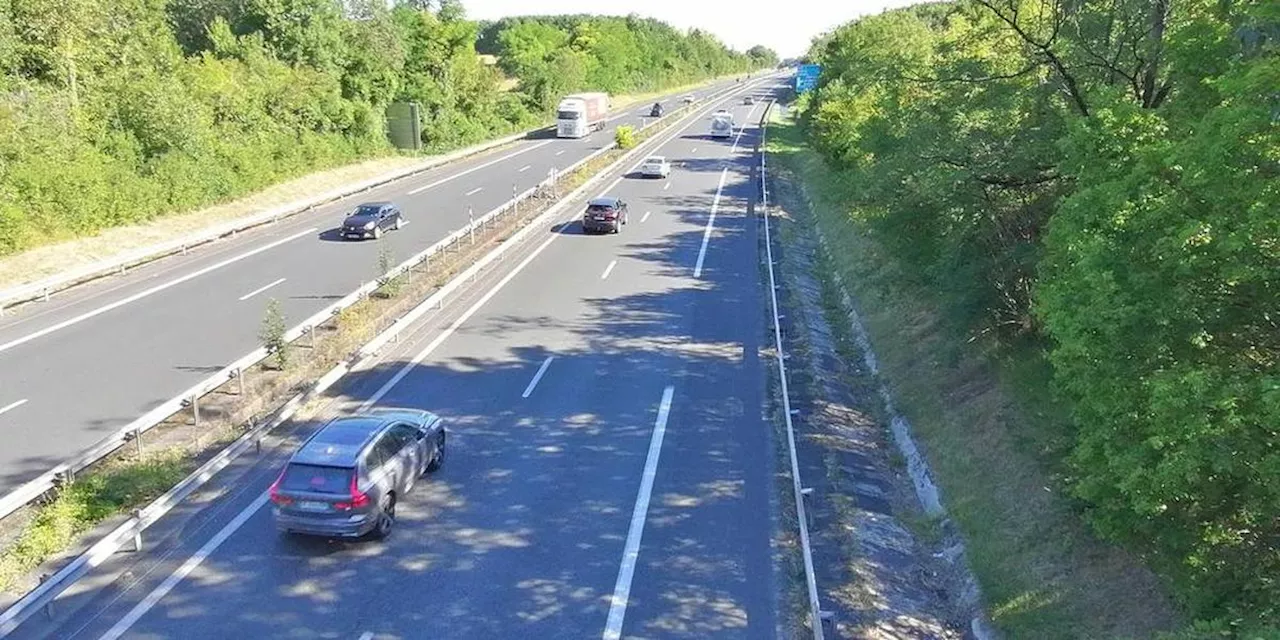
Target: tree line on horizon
[(114, 113)]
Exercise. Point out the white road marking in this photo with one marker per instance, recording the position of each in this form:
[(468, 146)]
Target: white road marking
[(695, 150), (537, 376), (666, 186), (368, 635), (741, 131), (561, 151), (153, 290), (260, 290), (608, 269), (11, 406), (493, 291), (622, 590), (474, 191), (645, 216), (525, 168), (183, 571), (711, 221), (479, 167)]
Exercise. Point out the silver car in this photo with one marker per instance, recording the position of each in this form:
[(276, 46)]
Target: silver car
[(345, 480), (655, 166)]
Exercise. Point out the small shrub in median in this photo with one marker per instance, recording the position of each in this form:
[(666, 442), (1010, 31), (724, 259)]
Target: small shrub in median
[(389, 287), (625, 136), (272, 334)]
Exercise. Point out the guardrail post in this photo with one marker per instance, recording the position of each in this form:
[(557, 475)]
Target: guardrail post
[(471, 224), (137, 440), (311, 337), (195, 409), (806, 494), (238, 374), (45, 291), (137, 531), (515, 204), (48, 606)]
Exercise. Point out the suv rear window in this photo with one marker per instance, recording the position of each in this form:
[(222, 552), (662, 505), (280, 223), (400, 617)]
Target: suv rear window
[(599, 208), (316, 479)]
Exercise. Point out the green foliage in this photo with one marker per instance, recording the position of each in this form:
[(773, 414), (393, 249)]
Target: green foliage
[(1100, 182), (556, 55), (625, 136), (93, 498), (116, 113), (272, 334)]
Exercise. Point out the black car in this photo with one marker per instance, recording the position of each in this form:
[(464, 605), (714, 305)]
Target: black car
[(605, 214), (370, 219), (656, 111)]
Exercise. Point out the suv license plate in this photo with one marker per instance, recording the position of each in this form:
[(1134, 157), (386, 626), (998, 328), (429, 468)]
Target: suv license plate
[(310, 505)]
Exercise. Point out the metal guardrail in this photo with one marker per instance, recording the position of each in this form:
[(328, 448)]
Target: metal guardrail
[(816, 615), (130, 531), (65, 472)]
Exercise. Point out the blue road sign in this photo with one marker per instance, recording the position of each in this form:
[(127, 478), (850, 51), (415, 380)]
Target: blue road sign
[(807, 77)]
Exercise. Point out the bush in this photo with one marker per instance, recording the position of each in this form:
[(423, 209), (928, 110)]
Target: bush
[(625, 136)]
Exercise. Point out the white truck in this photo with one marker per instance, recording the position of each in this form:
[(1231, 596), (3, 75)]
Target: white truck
[(581, 113), (721, 124)]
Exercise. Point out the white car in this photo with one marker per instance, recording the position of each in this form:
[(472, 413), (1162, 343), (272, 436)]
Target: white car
[(688, 99), (655, 166)]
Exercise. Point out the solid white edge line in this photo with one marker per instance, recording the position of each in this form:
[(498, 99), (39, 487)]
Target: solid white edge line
[(11, 406), (711, 223), (260, 290), (478, 167), (631, 552), (645, 216), (742, 130), (183, 571), (528, 391), (474, 191), (608, 269), (153, 290)]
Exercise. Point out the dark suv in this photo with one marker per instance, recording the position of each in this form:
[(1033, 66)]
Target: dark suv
[(345, 480), (605, 214), (370, 219)]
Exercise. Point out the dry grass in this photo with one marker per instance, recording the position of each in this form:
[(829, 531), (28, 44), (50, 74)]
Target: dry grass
[(43, 262), (989, 430)]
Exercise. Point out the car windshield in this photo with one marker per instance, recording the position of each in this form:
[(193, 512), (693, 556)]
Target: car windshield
[(316, 478), (366, 210)]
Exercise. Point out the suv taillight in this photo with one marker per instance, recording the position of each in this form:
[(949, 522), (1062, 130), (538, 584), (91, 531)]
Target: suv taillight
[(274, 492), (358, 500)]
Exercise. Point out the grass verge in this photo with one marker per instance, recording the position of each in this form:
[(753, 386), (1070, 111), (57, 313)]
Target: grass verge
[(136, 475), (992, 435)]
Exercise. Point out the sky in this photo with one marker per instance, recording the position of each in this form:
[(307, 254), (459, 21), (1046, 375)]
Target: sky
[(786, 27)]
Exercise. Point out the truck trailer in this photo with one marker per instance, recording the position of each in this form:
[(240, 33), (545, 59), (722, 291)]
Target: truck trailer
[(581, 113)]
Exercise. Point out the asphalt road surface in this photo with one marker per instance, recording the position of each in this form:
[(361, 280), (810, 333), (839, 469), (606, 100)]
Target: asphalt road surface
[(608, 475), (76, 369)]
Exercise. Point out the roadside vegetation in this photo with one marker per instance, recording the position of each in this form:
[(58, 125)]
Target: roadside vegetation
[(1074, 209), (116, 113)]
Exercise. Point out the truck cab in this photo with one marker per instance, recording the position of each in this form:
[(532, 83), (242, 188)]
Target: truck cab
[(579, 114)]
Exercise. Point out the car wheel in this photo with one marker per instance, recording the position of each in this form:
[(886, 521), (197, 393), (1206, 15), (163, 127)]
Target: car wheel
[(437, 454), (399, 222), (386, 517), (377, 233)]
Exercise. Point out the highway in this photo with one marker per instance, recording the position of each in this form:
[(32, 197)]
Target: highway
[(93, 359), (609, 473)]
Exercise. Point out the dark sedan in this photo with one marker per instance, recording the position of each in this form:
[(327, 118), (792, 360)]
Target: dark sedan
[(604, 214), (371, 219)]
